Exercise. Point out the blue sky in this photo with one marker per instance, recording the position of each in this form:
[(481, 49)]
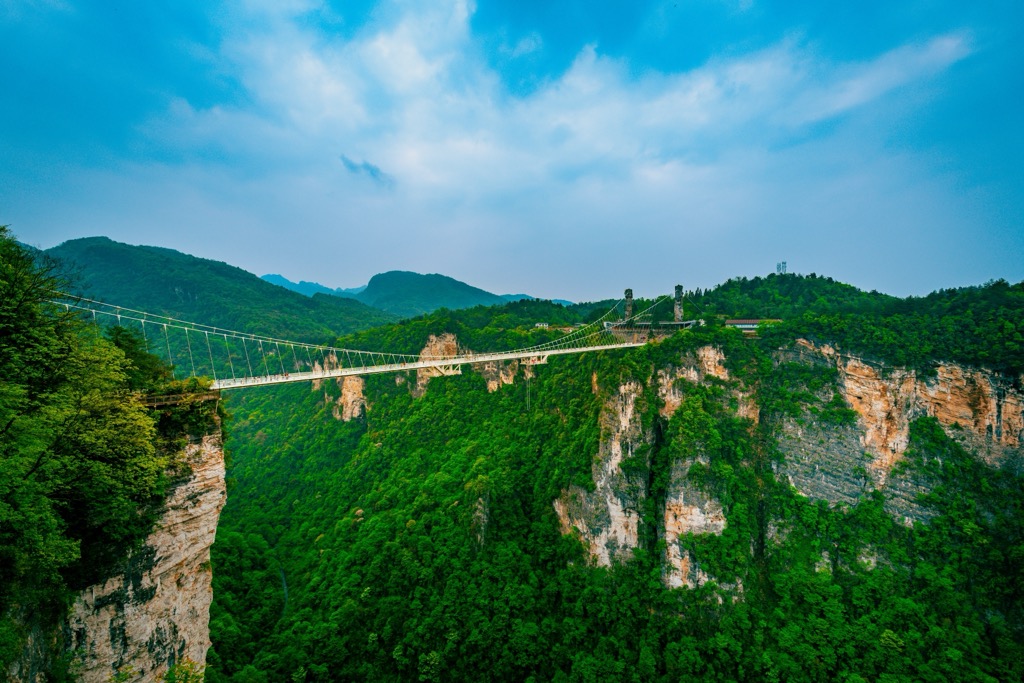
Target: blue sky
[(566, 149)]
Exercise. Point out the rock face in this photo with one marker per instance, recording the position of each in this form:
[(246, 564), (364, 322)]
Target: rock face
[(156, 612), (499, 373), (832, 461), (979, 408), (607, 519), (707, 362), (687, 511), (985, 407), (442, 346), (352, 402)]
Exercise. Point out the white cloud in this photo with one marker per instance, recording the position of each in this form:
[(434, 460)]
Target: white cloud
[(595, 170)]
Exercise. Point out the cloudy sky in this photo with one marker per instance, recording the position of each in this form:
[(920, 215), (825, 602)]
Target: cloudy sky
[(564, 149)]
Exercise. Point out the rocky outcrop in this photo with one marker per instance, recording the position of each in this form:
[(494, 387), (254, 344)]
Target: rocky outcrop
[(156, 611), (607, 519), (352, 402), (706, 362), (499, 373), (836, 459), (824, 462), (687, 511), (437, 346), (981, 409)]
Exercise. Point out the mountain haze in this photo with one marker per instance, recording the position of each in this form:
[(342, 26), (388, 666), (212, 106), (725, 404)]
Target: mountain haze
[(309, 288), (407, 294)]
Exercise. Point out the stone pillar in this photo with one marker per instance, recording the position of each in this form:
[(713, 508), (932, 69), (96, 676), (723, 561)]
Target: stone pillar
[(679, 304), (629, 304)]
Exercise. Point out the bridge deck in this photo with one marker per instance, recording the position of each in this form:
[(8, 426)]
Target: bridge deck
[(468, 359)]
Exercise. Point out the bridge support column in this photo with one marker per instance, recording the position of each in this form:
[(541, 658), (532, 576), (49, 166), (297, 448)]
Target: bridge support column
[(679, 304), (629, 304)]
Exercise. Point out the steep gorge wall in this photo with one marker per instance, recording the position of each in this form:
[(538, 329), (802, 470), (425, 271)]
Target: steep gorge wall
[(982, 410), (156, 612), (835, 462), (608, 519)]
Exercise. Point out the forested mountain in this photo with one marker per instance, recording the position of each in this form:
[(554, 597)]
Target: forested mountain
[(309, 288), (167, 282), (839, 497), (708, 507), (407, 294), (981, 326)]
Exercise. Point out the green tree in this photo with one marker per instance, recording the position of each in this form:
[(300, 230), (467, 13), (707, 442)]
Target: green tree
[(79, 471)]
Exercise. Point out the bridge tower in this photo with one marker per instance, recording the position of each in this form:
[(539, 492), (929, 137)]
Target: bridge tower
[(629, 304), (679, 304)]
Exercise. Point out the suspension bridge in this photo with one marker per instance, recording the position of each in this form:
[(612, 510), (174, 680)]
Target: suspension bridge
[(233, 359)]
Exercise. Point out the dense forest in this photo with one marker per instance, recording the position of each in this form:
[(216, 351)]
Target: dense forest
[(167, 282), (420, 541), (979, 326)]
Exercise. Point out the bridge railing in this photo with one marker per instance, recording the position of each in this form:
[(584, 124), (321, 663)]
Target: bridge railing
[(233, 359)]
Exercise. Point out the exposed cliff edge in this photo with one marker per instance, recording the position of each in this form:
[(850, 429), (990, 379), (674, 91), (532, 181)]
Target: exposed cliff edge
[(607, 519), (982, 410), (833, 461), (156, 613)]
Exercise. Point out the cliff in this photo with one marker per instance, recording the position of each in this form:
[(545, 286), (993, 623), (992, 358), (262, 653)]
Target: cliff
[(834, 460), (156, 612), (982, 410)]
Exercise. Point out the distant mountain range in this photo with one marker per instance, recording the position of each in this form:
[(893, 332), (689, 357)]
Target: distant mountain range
[(310, 288), (407, 294)]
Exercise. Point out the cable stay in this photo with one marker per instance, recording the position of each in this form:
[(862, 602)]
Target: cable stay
[(239, 359)]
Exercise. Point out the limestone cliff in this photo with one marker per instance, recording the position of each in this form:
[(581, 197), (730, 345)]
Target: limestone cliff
[(979, 408), (607, 519), (351, 404), (156, 611), (832, 461), (439, 346), (500, 373), (688, 510)]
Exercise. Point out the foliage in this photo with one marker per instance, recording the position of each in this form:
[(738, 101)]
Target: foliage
[(408, 294), (420, 542), (80, 470), (981, 326), (167, 282), (185, 671)]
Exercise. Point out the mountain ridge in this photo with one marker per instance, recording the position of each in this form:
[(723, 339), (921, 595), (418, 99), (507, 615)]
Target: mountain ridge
[(168, 282), (408, 293)]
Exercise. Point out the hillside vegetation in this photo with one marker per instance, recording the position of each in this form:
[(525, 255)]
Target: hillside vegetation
[(406, 294), (980, 326), (420, 542), (83, 464), (167, 282)]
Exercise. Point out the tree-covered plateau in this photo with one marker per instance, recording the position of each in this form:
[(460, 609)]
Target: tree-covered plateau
[(420, 542)]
